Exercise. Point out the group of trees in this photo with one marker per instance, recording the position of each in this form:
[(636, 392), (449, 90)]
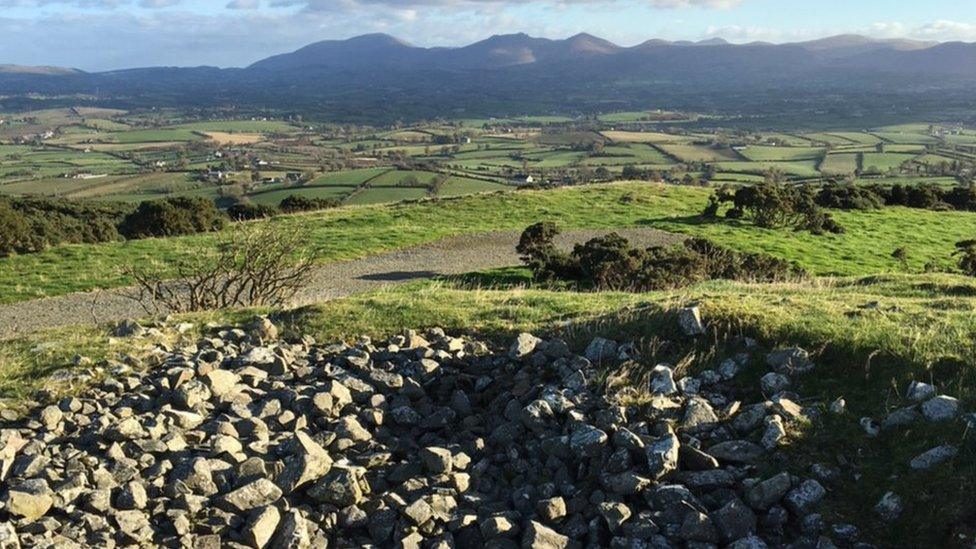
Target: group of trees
[(293, 203), (772, 206), (610, 262), (29, 225)]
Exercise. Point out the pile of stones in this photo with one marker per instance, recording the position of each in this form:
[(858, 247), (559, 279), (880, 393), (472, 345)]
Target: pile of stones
[(424, 440)]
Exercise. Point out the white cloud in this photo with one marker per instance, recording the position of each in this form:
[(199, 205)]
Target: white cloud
[(244, 4), (941, 31)]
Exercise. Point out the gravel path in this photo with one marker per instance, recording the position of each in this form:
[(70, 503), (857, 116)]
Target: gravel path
[(454, 255)]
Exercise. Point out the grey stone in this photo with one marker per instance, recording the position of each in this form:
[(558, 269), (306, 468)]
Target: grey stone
[(662, 380), (601, 350), (255, 494), (933, 457), (662, 455), (804, 497), (769, 492), (790, 361), (689, 319), (889, 507), (523, 346), (940, 408), (539, 536), (736, 451)]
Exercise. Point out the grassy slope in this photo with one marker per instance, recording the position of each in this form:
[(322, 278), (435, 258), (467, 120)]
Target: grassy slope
[(352, 232)]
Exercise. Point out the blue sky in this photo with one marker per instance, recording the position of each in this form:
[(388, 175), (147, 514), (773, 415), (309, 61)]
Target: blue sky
[(111, 34)]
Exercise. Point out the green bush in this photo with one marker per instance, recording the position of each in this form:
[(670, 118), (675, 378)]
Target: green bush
[(610, 263), (15, 235), (246, 211), (172, 217), (537, 250), (774, 205), (295, 203)]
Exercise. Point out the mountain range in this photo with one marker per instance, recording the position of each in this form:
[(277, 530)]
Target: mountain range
[(517, 73)]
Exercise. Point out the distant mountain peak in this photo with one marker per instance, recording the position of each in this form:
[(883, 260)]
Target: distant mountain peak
[(717, 41)]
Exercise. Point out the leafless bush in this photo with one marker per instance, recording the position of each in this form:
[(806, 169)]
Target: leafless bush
[(252, 265)]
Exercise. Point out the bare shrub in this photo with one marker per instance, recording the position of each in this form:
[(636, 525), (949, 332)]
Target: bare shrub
[(251, 265)]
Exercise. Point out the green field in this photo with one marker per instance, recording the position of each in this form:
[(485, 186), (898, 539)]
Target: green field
[(698, 153), (240, 126), (885, 161), (155, 135), (781, 154), (378, 195), (839, 164)]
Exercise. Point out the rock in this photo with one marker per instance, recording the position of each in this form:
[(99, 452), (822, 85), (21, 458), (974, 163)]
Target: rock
[(255, 494), (51, 417), (790, 361), (773, 383), (128, 328), (538, 536), (135, 524), (919, 391), (292, 532), (689, 319), (191, 394), (838, 406), (869, 426), (28, 505), (698, 526), (940, 408), (901, 418), (340, 487), (735, 520), (419, 512), (698, 416), (551, 509), (769, 492), (804, 497), (221, 382), (307, 463), (933, 457), (889, 508), (261, 526), (262, 329), (736, 451), (133, 496), (662, 380), (728, 369), (662, 455), (523, 346), (436, 460), (615, 514), (587, 441), (498, 526), (8, 536), (601, 350), (693, 459), (774, 432)]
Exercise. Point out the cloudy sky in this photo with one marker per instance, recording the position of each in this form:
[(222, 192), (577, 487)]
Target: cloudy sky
[(110, 34)]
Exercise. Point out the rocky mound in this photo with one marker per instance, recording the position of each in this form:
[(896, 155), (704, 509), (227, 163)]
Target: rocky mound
[(419, 441)]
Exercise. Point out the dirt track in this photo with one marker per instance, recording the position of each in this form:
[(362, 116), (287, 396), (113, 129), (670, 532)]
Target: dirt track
[(330, 281)]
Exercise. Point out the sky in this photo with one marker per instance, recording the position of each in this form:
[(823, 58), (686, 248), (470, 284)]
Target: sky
[(112, 34)]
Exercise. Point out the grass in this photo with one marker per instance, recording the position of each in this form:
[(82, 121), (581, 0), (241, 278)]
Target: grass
[(352, 232)]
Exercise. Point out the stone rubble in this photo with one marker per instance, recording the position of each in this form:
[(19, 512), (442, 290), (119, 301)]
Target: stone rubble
[(423, 440)]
